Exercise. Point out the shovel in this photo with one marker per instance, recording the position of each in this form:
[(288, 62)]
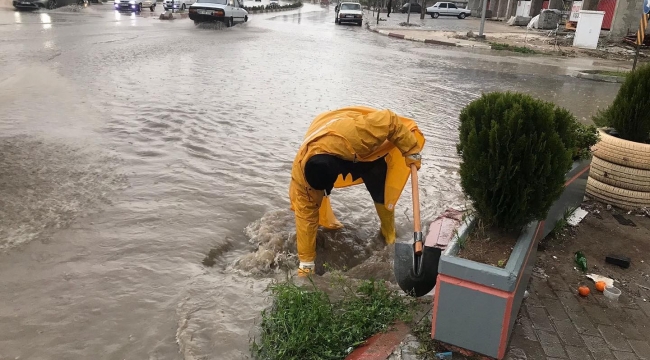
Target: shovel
[(416, 265)]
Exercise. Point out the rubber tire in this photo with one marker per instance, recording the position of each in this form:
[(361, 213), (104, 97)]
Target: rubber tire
[(619, 176), (229, 23), (622, 152), (624, 199), (435, 15), (152, 8), (51, 4), (139, 8), (461, 16), (183, 7), (246, 18)]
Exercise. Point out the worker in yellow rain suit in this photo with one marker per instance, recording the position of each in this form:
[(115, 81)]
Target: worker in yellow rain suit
[(348, 147)]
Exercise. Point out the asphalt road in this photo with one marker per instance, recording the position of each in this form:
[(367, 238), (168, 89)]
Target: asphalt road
[(130, 147)]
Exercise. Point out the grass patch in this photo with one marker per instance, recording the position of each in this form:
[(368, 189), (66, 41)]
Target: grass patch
[(303, 323), (612, 73), (518, 49)]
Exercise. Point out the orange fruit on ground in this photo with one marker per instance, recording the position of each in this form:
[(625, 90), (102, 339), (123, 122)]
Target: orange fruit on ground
[(583, 291), (600, 286)]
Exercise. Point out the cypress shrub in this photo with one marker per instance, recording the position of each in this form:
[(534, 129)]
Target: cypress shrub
[(515, 152), (629, 114)]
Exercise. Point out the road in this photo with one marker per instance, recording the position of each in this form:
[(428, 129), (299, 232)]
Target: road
[(130, 147)]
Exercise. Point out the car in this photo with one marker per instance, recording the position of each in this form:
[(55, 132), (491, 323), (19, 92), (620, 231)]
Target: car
[(177, 4), (41, 4), (274, 4), (415, 8), (447, 9), (134, 5), (350, 12), (230, 12)]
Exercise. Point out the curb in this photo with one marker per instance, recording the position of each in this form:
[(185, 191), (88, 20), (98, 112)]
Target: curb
[(380, 345), (426, 41), (272, 10), (598, 77)]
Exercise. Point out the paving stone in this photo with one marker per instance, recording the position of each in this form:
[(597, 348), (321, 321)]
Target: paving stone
[(569, 301), (568, 333), (557, 283), (641, 348), (516, 354), (547, 337), (541, 288), (637, 316), (622, 355), (598, 315), (631, 332), (578, 353), (555, 308), (644, 305), (533, 300), (598, 347), (614, 338), (524, 327), (582, 323), (539, 318), (554, 350)]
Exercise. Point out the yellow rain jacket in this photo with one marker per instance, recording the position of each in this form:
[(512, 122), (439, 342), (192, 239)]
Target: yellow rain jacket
[(353, 134)]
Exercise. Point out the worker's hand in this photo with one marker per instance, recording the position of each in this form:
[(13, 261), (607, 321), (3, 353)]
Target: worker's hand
[(306, 269), (414, 159)]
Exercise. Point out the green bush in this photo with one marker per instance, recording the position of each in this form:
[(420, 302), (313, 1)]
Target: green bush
[(629, 114), (515, 152), (586, 136), (304, 324)]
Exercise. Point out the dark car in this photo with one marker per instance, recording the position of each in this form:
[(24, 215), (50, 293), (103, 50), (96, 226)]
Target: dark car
[(415, 8), (41, 4)]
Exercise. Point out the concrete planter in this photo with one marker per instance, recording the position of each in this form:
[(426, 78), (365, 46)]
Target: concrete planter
[(271, 10), (596, 76), (476, 305)]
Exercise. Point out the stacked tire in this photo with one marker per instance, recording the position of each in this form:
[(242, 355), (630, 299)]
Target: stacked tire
[(620, 173)]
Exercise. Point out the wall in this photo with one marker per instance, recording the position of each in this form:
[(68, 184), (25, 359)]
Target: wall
[(626, 17)]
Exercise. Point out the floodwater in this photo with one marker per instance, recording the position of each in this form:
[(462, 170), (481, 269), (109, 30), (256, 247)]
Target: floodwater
[(130, 147)]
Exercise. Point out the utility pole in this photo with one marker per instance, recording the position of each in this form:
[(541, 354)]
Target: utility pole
[(408, 16), (480, 31)]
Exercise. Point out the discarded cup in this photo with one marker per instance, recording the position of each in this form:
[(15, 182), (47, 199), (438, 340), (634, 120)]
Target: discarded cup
[(612, 293), (444, 355)]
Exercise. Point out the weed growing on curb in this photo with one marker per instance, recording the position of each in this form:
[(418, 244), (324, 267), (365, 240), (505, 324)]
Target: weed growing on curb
[(303, 323), (518, 49)]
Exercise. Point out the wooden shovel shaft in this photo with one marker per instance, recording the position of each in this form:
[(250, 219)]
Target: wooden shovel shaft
[(416, 199), (417, 246)]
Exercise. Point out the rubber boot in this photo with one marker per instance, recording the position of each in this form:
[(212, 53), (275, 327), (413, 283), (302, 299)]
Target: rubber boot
[(387, 219)]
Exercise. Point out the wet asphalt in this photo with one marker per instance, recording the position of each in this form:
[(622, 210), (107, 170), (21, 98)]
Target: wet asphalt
[(131, 146)]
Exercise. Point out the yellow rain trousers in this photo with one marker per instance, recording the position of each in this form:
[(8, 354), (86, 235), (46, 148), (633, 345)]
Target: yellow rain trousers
[(353, 134)]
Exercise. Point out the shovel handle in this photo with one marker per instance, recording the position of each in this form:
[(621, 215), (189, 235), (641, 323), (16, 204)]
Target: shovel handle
[(417, 231), (416, 199)]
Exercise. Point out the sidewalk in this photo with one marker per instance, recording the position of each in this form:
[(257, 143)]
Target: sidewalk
[(452, 31), (554, 322)]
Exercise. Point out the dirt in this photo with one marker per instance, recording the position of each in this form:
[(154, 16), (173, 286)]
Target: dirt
[(488, 246), (598, 235)]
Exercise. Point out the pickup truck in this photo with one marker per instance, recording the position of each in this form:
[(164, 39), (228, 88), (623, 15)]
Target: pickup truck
[(447, 9)]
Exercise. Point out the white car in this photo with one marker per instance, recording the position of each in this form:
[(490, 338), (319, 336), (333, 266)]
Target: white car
[(348, 12), (229, 12), (447, 9), (134, 5), (177, 4)]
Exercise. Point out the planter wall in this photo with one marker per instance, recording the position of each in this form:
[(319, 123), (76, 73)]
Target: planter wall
[(476, 305), (620, 175)]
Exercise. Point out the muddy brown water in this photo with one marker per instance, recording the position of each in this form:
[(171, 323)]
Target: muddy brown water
[(130, 147)]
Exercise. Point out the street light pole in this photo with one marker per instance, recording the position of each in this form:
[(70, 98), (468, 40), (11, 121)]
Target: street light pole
[(409, 12), (480, 31)]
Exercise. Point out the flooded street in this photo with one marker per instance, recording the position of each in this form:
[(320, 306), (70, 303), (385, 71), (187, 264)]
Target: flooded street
[(130, 147)]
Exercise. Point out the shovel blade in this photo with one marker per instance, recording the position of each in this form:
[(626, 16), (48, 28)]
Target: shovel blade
[(416, 275)]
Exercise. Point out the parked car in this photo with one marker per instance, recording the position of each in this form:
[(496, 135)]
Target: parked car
[(447, 9), (230, 12), (415, 8), (134, 5), (178, 4), (348, 12), (41, 4)]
